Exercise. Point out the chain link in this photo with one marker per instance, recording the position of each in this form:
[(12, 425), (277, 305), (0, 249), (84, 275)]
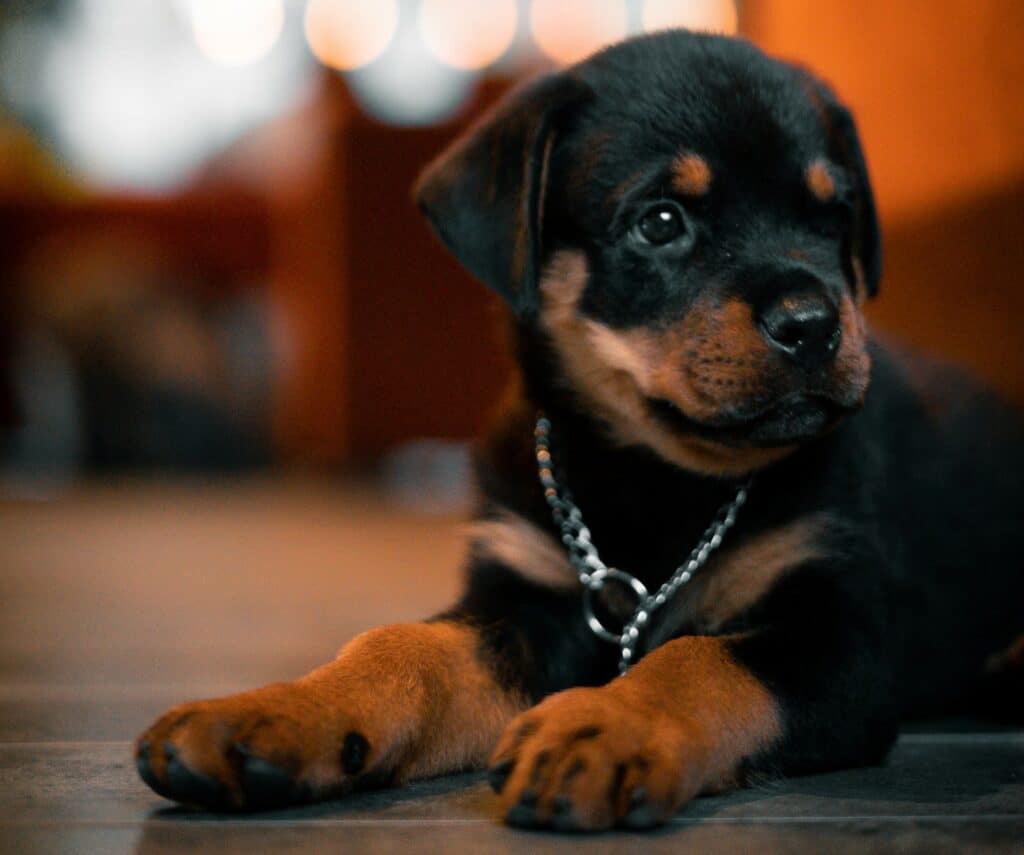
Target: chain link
[(594, 573)]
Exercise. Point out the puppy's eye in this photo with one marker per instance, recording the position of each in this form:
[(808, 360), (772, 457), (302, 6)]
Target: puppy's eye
[(660, 224)]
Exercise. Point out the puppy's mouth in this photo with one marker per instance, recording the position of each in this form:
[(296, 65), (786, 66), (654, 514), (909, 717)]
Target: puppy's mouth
[(794, 419)]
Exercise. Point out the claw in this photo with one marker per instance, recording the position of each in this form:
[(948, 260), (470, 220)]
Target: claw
[(524, 812), (193, 787), (563, 817), (145, 769), (264, 785), (639, 814), (498, 774)]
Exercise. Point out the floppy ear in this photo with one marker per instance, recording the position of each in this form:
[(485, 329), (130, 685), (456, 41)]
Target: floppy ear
[(842, 130), (867, 239), (484, 195)]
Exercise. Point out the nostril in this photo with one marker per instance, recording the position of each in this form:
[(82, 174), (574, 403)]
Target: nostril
[(806, 327)]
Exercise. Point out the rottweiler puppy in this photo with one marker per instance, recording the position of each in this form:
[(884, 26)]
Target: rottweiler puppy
[(684, 231)]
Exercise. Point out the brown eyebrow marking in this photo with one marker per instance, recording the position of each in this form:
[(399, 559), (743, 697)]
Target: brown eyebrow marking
[(691, 175), (819, 180)]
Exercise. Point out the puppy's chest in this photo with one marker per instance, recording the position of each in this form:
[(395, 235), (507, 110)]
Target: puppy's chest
[(701, 606), (719, 594)]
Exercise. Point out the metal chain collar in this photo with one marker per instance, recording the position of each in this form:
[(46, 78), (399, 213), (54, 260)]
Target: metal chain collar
[(594, 574)]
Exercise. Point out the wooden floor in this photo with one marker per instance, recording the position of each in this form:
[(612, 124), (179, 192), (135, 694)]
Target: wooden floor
[(116, 601)]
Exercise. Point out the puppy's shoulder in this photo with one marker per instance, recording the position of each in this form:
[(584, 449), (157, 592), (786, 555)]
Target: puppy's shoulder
[(936, 398)]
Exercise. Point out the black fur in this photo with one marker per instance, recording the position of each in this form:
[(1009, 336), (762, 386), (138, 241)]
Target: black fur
[(922, 579), (499, 168)]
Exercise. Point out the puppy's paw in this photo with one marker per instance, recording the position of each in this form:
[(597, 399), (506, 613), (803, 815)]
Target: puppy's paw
[(589, 759), (273, 747), (400, 702)]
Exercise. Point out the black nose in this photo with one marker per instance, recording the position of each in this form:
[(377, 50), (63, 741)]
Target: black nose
[(804, 326)]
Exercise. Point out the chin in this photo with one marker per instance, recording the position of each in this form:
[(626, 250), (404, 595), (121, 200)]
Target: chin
[(793, 420)]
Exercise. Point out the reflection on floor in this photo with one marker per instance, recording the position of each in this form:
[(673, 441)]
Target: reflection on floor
[(120, 600)]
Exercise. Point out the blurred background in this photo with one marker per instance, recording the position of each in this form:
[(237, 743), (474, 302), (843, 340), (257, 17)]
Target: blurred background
[(210, 262), (237, 373)]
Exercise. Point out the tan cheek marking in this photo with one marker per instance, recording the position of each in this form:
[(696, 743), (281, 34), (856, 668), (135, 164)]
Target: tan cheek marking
[(691, 175), (736, 327), (519, 545), (562, 285), (612, 370), (623, 353), (719, 355), (819, 181), (594, 356), (853, 362), (741, 576), (731, 714)]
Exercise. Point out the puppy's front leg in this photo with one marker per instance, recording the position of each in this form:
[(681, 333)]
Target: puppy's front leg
[(806, 692), (632, 752), (399, 702)]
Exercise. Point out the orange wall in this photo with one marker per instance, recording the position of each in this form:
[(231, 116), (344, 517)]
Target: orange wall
[(936, 86), (937, 91)]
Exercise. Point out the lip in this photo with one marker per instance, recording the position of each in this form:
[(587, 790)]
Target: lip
[(794, 419)]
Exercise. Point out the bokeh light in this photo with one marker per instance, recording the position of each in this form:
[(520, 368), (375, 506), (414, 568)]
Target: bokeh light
[(407, 84), (468, 34), (717, 16), (348, 34), (568, 30), (236, 32)]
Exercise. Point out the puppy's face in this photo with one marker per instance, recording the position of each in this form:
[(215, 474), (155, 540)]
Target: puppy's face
[(690, 232)]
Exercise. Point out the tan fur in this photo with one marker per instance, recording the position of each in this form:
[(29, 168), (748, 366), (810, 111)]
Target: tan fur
[(853, 363), (734, 715), (727, 363), (738, 577), (418, 693), (819, 181), (681, 722), (691, 175), (614, 369), (712, 361), (520, 545)]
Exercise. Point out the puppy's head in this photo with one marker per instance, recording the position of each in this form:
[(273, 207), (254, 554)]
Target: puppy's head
[(688, 226)]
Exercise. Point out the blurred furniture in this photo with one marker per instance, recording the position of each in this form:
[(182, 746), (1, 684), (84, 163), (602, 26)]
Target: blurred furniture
[(393, 339), (379, 336)]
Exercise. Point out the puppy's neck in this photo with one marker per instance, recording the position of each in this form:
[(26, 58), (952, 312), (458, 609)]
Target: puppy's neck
[(626, 486), (625, 478)]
